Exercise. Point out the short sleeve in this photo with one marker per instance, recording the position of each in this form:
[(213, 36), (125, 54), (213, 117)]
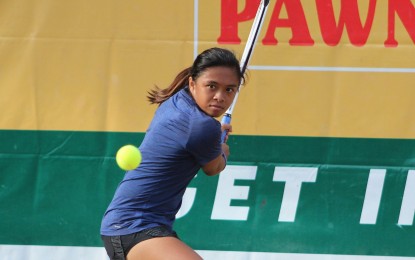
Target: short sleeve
[(204, 140)]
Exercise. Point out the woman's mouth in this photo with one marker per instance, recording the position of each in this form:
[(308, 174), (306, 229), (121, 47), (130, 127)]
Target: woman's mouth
[(216, 107)]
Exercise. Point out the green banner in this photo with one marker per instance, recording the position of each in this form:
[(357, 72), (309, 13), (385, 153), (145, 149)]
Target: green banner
[(278, 194)]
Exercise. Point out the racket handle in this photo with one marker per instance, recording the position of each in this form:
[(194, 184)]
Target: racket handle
[(226, 119)]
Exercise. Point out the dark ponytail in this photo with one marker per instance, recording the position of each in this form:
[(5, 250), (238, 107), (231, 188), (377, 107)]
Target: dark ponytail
[(213, 57), (158, 96)]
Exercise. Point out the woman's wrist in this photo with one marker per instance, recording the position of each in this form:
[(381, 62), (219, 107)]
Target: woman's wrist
[(224, 158)]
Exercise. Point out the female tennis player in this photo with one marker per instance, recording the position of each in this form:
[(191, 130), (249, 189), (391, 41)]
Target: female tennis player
[(183, 138)]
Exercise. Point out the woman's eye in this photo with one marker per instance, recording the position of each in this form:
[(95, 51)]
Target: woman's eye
[(230, 90), (211, 86)]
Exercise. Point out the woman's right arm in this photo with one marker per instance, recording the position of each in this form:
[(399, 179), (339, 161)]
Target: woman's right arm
[(218, 164)]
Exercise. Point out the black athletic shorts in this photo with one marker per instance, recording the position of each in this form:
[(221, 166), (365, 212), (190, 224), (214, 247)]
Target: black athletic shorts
[(117, 247)]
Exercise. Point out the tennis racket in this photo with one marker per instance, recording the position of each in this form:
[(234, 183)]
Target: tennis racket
[(249, 48)]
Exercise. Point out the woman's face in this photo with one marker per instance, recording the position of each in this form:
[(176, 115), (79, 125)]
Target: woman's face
[(215, 89)]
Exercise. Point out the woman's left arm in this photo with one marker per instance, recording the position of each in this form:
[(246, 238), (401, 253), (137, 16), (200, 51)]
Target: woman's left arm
[(218, 164)]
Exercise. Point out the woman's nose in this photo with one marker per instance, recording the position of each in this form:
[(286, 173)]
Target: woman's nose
[(219, 96)]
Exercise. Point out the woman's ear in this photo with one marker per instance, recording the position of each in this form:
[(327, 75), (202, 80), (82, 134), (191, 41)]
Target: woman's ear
[(192, 84)]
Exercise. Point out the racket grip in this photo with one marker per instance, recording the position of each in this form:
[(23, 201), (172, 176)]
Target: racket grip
[(226, 119)]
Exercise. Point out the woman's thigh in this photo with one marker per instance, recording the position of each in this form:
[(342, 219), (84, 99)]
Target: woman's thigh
[(164, 248)]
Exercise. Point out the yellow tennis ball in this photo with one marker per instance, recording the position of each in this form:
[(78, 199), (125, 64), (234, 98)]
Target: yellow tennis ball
[(128, 157)]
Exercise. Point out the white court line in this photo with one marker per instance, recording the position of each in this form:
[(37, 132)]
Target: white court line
[(196, 29), (29, 252), (229, 255), (19, 252), (337, 69)]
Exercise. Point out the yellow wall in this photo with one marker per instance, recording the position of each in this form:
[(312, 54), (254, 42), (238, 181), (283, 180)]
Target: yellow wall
[(87, 65)]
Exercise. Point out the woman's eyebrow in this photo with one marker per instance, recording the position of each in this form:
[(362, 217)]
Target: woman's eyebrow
[(212, 82)]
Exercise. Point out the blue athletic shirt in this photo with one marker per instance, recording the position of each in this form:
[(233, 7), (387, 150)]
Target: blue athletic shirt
[(181, 138)]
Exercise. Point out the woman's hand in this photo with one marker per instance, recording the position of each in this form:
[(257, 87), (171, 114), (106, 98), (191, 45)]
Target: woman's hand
[(227, 128)]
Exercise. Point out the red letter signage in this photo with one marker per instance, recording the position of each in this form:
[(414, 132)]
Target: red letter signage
[(349, 18), (296, 21), (230, 19)]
